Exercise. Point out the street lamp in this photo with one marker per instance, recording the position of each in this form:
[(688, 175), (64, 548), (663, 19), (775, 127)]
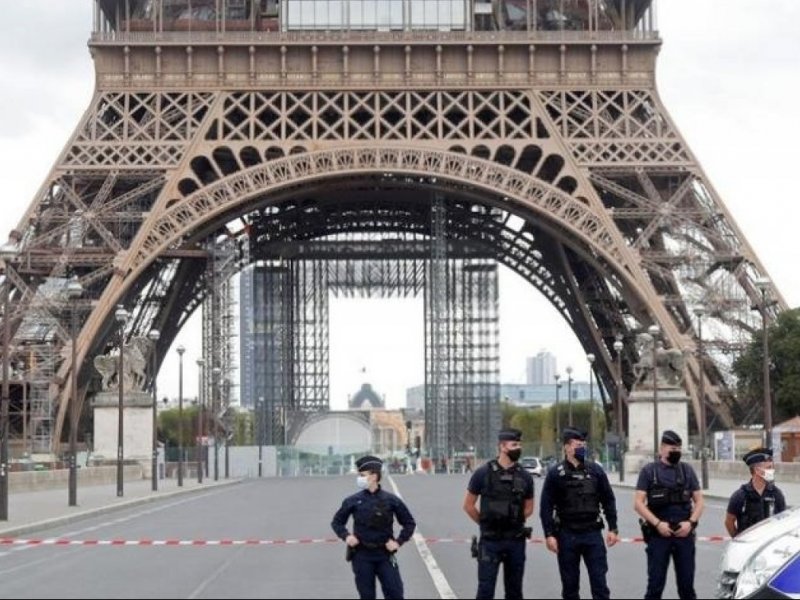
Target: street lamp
[(699, 312), (180, 350), (569, 394), (7, 253), (590, 358), (154, 336), (121, 315), (618, 346), (558, 417), (201, 407), (74, 292), (654, 331), (260, 413), (215, 372), (763, 284)]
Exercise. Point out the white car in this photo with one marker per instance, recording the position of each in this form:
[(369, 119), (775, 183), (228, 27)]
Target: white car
[(532, 464), (763, 561)]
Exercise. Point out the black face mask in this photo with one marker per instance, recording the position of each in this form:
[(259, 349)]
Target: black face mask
[(674, 457), (514, 454)]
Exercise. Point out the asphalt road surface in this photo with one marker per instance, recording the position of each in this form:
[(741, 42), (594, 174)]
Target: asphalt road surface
[(271, 538)]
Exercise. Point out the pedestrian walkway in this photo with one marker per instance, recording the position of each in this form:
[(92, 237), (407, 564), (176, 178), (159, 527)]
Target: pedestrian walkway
[(30, 511)]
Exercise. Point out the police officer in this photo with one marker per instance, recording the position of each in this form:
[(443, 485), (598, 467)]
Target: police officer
[(669, 501), (573, 494), (505, 490), (757, 499), (372, 545)]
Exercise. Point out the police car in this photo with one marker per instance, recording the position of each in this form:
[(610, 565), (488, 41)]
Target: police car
[(763, 561)]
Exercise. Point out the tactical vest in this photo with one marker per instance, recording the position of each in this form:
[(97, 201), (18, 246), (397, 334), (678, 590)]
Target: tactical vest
[(756, 507), (502, 503), (578, 499), (660, 496)]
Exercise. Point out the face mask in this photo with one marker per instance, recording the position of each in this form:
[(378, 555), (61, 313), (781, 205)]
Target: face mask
[(514, 454), (580, 454), (674, 457), (362, 482), (768, 475)]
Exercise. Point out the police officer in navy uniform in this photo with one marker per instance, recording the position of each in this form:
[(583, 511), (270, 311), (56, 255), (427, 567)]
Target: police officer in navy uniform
[(759, 498), (372, 545), (670, 502), (505, 490), (573, 495)]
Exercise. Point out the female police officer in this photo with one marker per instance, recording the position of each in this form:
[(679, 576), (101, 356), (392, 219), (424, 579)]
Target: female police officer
[(372, 545)]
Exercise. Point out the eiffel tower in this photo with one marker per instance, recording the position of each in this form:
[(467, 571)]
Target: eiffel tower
[(533, 127)]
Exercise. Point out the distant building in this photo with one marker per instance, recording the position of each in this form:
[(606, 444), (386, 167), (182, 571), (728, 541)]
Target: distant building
[(540, 369), (366, 399)]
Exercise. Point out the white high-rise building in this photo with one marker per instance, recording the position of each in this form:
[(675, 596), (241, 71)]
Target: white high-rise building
[(540, 369)]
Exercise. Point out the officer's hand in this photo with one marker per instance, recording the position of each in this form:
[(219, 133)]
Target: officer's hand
[(612, 538), (552, 544), (351, 540), (664, 530), (684, 530), (392, 546)]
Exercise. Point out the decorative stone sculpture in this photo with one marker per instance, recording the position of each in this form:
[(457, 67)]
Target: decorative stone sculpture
[(134, 364), (669, 364)]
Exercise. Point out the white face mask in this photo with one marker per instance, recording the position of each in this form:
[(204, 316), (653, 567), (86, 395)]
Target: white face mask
[(768, 475), (362, 482)]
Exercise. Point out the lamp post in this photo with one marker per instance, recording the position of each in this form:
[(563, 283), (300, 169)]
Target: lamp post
[(654, 330), (121, 315), (74, 292), (699, 312), (763, 284), (154, 335), (214, 409), (260, 408), (180, 350), (592, 429), (7, 253), (200, 408), (569, 394), (558, 416), (618, 345)]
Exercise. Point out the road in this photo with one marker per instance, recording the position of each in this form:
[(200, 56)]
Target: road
[(302, 561)]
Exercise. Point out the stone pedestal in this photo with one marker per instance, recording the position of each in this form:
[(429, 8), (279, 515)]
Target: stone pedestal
[(137, 421), (673, 413)]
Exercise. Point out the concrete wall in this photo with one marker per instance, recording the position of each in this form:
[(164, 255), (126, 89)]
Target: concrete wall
[(29, 481)]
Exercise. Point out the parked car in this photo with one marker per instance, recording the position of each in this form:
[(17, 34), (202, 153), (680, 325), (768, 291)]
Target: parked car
[(763, 561), (532, 465)]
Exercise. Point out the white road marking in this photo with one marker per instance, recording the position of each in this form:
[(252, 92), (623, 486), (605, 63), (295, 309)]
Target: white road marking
[(439, 580)]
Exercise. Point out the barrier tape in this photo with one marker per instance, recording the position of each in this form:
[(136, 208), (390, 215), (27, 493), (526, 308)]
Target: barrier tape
[(277, 542)]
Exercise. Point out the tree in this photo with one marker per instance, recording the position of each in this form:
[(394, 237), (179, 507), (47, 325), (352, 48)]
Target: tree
[(784, 355)]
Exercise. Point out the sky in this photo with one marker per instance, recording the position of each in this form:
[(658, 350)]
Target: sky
[(727, 72)]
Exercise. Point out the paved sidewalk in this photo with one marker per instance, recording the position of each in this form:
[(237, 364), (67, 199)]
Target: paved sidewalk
[(30, 511)]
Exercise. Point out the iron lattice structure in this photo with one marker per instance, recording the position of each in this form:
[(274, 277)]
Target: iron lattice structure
[(544, 136)]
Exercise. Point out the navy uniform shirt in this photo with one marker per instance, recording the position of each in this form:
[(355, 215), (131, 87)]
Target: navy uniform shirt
[(737, 501), (553, 491), (479, 482), (362, 506), (667, 476)]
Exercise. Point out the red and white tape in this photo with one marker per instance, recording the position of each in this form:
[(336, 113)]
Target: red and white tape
[(258, 542)]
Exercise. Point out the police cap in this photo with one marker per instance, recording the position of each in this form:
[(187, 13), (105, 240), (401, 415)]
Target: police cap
[(369, 463), (571, 433), (671, 438), (509, 435), (757, 455)]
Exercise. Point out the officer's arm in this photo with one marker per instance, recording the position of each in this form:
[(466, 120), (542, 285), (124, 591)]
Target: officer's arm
[(339, 523), (730, 524), (698, 506), (470, 501), (406, 522), (546, 505), (608, 501), (640, 506), (780, 501)]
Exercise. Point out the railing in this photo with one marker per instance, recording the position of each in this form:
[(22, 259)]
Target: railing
[(306, 37)]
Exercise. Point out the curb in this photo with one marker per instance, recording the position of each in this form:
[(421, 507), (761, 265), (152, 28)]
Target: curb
[(100, 510)]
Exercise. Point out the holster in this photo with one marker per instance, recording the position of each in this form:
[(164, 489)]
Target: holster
[(350, 553), (474, 549), (647, 530), (527, 532)]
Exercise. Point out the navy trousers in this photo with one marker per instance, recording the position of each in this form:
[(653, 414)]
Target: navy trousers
[(659, 551), (369, 564), (589, 545), (493, 553)]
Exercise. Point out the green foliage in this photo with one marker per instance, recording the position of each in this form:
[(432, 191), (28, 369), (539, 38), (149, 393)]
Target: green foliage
[(784, 355)]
